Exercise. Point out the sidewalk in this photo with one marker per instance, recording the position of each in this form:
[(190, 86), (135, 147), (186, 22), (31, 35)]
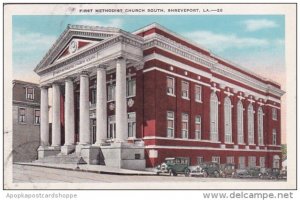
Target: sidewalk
[(90, 168)]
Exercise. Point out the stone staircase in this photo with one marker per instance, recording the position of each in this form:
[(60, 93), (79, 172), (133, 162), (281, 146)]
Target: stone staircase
[(62, 159)]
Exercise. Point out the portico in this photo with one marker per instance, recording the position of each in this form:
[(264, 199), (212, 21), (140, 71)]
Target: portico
[(114, 51)]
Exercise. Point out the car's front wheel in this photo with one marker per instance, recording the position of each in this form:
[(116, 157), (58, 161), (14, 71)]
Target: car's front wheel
[(217, 174), (172, 173), (205, 174)]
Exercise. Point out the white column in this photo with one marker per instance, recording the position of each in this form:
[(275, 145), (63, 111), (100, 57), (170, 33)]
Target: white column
[(84, 118), (56, 140), (44, 117), (121, 103), (69, 112), (101, 106)]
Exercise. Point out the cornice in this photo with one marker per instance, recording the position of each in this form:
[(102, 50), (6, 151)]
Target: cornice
[(178, 50), (156, 40)]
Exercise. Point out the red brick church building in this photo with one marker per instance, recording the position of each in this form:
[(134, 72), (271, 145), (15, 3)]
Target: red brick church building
[(180, 99)]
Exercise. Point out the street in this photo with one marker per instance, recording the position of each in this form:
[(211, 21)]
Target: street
[(34, 174)]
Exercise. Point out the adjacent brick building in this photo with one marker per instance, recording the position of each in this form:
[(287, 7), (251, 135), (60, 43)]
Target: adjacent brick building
[(26, 121)]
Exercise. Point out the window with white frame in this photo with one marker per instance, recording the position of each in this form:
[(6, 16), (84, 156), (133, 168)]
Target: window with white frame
[(36, 116), (250, 124), (198, 93), (227, 120), (274, 136), (242, 162), (240, 122), (170, 124), (111, 92), (215, 159), (30, 93), (185, 89), (260, 126), (200, 160), (131, 125), (198, 127), (111, 127), (170, 85), (22, 115), (214, 117), (230, 159), (251, 161), (274, 113), (262, 162), (184, 125), (131, 88)]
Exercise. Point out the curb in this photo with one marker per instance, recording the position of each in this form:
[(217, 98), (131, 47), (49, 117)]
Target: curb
[(87, 170)]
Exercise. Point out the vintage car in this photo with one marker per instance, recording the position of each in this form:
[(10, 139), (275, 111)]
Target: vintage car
[(253, 172), (272, 173), (228, 170), (174, 166), (210, 169), (195, 171)]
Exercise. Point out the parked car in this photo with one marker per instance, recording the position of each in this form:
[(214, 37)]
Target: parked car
[(272, 173), (174, 166), (228, 170), (253, 172), (195, 171), (210, 169)]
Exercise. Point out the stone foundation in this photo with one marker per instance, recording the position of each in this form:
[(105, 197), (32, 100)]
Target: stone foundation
[(47, 151), (124, 155)]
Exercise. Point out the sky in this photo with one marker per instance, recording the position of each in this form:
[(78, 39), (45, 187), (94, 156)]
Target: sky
[(255, 42)]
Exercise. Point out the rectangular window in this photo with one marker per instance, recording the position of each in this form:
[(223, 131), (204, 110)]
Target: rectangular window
[(30, 93), (131, 88), (242, 162), (93, 130), (93, 96), (274, 137), (170, 124), (198, 93), (36, 116), (131, 125), (111, 127), (262, 162), (230, 159), (198, 127), (111, 93), (170, 86), (185, 89), (215, 159), (200, 160), (22, 117), (251, 161), (274, 113), (184, 125)]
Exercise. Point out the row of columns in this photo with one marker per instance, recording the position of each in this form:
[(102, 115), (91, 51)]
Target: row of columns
[(101, 109)]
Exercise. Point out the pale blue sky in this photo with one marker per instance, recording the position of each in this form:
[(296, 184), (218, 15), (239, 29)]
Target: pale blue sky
[(255, 42)]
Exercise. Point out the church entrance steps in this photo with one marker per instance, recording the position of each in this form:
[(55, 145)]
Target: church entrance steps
[(100, 169), (61, 159)]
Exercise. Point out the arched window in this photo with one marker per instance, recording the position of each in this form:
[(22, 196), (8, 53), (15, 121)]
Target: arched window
[(227, 120), (214, 117), (240, 122), (250, 124), (260, 125)]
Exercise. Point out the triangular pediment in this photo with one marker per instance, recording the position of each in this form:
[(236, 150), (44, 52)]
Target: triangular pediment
[(75, 45), (72, 41)]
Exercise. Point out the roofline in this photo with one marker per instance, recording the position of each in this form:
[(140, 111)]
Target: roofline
[(25, 82), (211, 54)]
